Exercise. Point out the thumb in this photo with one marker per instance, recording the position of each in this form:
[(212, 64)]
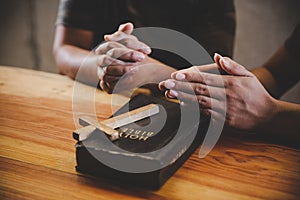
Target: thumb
[(126, 28), (233, 68)]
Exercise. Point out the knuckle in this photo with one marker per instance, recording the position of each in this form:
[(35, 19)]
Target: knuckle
[(106, 60), (126, 42), (189, 76), (132, 54), (117, 34), (201, 89), (98, 50), (228, 96), (111, 44), (195, 68), (207, 80), (111, 52), (201, 100), (125, 69), (206, 112), (133, 37), (230, 120), (229, 83), (107, 46)]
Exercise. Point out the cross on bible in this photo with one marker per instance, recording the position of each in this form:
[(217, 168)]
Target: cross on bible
[(108, 126)]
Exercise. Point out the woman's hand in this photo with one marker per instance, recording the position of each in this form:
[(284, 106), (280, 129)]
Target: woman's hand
[(238, 96)]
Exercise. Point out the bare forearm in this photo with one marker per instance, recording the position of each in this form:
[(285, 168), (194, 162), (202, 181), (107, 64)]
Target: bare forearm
[(285, 120), (160, 71), (70, 58), (267, 80), (279, 73)]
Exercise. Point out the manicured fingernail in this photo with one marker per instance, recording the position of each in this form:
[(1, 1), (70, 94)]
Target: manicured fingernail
[(170, 96), (216, 54), (180, 76), (226, 62), (169, 84), (139, 56), (133, 69), (173, 75), (147, 50), (218, 58), (174, 93)]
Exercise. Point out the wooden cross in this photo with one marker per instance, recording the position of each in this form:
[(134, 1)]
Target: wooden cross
[(108, 126)]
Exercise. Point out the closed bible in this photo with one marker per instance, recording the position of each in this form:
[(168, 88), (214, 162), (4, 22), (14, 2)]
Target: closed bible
[(149, 151)]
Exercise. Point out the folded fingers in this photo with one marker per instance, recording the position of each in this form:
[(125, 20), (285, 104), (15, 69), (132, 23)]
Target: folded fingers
[(119, 70), (196, 76), (105, 47), (204, 102), (128, 40), (193, 88), (126, 54)]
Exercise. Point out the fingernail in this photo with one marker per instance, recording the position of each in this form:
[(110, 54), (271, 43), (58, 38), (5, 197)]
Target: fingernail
[(169, 95), (180, 76), (147, 50), (106, 37), (174, 93), (173, 75), (226, 62), (139, 56), (216, 54), (169, 84), (133, 69)]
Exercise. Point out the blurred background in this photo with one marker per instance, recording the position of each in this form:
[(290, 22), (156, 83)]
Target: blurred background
[(27, 32)]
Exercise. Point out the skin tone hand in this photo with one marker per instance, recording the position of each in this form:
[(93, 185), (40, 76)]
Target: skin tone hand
[(71, 52), (246, 105), (145, 70), (122, 56)]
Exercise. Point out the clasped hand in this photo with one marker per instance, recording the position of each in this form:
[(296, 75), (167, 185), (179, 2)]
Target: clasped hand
[(119, 57)]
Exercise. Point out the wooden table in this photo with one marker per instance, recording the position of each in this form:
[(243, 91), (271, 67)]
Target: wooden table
[(37, 153)]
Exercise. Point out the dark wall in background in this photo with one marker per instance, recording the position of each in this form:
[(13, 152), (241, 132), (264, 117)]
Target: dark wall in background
[(27, 32)]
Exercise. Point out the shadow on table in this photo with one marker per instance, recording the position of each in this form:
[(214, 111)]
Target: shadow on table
[(116, 186), (268, 138)]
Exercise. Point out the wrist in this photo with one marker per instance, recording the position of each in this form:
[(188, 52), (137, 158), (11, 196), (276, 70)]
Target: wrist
[(156, 71), (284, 118), (277, 109), (266, 79), (270, 113)]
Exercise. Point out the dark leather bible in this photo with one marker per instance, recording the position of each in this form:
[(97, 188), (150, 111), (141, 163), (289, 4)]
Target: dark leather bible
[(148, 151)]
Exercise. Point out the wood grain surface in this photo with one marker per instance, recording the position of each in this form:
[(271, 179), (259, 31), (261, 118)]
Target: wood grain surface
[(37, 153)]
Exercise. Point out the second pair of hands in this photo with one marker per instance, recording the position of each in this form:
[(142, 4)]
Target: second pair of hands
[(238, 97)]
